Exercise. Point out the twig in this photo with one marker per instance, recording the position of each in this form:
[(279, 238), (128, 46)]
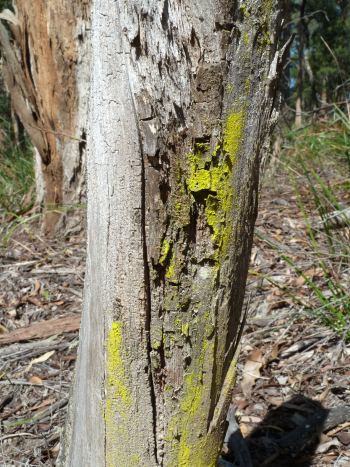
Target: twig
[(42, 415), (15, 435), (57, 133), (45, 440), (25, 247), (286, 165), (340, 73)]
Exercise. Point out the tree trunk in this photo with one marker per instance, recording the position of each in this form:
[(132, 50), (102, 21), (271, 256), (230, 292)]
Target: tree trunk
[(298, 115), (308, 68), (285, 79), (324, 95), (181, 110), (46, 70)]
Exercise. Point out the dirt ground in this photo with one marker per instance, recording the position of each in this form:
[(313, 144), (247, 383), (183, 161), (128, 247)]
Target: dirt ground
[(293, 373)]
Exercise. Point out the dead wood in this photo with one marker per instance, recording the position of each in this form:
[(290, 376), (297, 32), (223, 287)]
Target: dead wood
[(43, 329), (16, 351)]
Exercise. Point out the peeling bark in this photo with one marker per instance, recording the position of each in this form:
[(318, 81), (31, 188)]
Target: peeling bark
[(181, 109), (46, 70)]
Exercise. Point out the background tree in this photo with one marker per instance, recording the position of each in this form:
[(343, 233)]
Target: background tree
[(301, 41), (45, 68), (319, 67), (181, 110)]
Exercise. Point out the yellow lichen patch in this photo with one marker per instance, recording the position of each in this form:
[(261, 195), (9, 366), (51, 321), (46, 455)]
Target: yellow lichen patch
[(118, 396), (164, 251), (117, 381), (213, 176), (267, 9), (233, 133), (185, 329), (174, 269), (200, 180)]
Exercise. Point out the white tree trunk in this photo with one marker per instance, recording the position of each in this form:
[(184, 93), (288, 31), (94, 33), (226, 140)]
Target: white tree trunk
[(181, 109)]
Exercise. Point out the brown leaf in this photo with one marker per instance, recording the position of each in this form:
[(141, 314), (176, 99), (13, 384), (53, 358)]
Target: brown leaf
[(42, 409), (298, 282), (344, 438), (55, 449), (36, 288), (43, 404), (44, 426), (321, 397), (321, 448), (276, 402), (243, 428), (12, 313), (322, 437), (319, 272), (33, 300), (251, 371), (57, 303), (35, 380), (277, 237), (241, 405), (277, 305), (274, 352)]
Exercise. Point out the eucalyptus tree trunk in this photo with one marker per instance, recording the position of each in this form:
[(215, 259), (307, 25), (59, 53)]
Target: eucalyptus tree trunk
[(46, 70), (182, 99)]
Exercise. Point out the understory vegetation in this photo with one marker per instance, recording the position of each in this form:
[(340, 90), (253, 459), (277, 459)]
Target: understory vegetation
[(317, 160)]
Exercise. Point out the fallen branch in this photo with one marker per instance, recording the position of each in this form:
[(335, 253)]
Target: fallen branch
[(43, 329)]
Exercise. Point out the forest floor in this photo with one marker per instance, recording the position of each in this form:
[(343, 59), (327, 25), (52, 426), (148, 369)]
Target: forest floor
[(291, 368)]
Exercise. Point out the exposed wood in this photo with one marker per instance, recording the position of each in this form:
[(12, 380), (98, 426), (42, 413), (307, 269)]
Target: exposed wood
[(45, 68)]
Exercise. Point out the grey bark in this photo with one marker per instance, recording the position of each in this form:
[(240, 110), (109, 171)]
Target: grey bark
[(182, 103)]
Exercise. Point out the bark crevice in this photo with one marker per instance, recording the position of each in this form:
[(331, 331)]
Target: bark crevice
[(148, 306)]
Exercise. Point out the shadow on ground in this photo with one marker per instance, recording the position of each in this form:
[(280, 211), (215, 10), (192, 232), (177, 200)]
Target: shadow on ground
[(292, 434)]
